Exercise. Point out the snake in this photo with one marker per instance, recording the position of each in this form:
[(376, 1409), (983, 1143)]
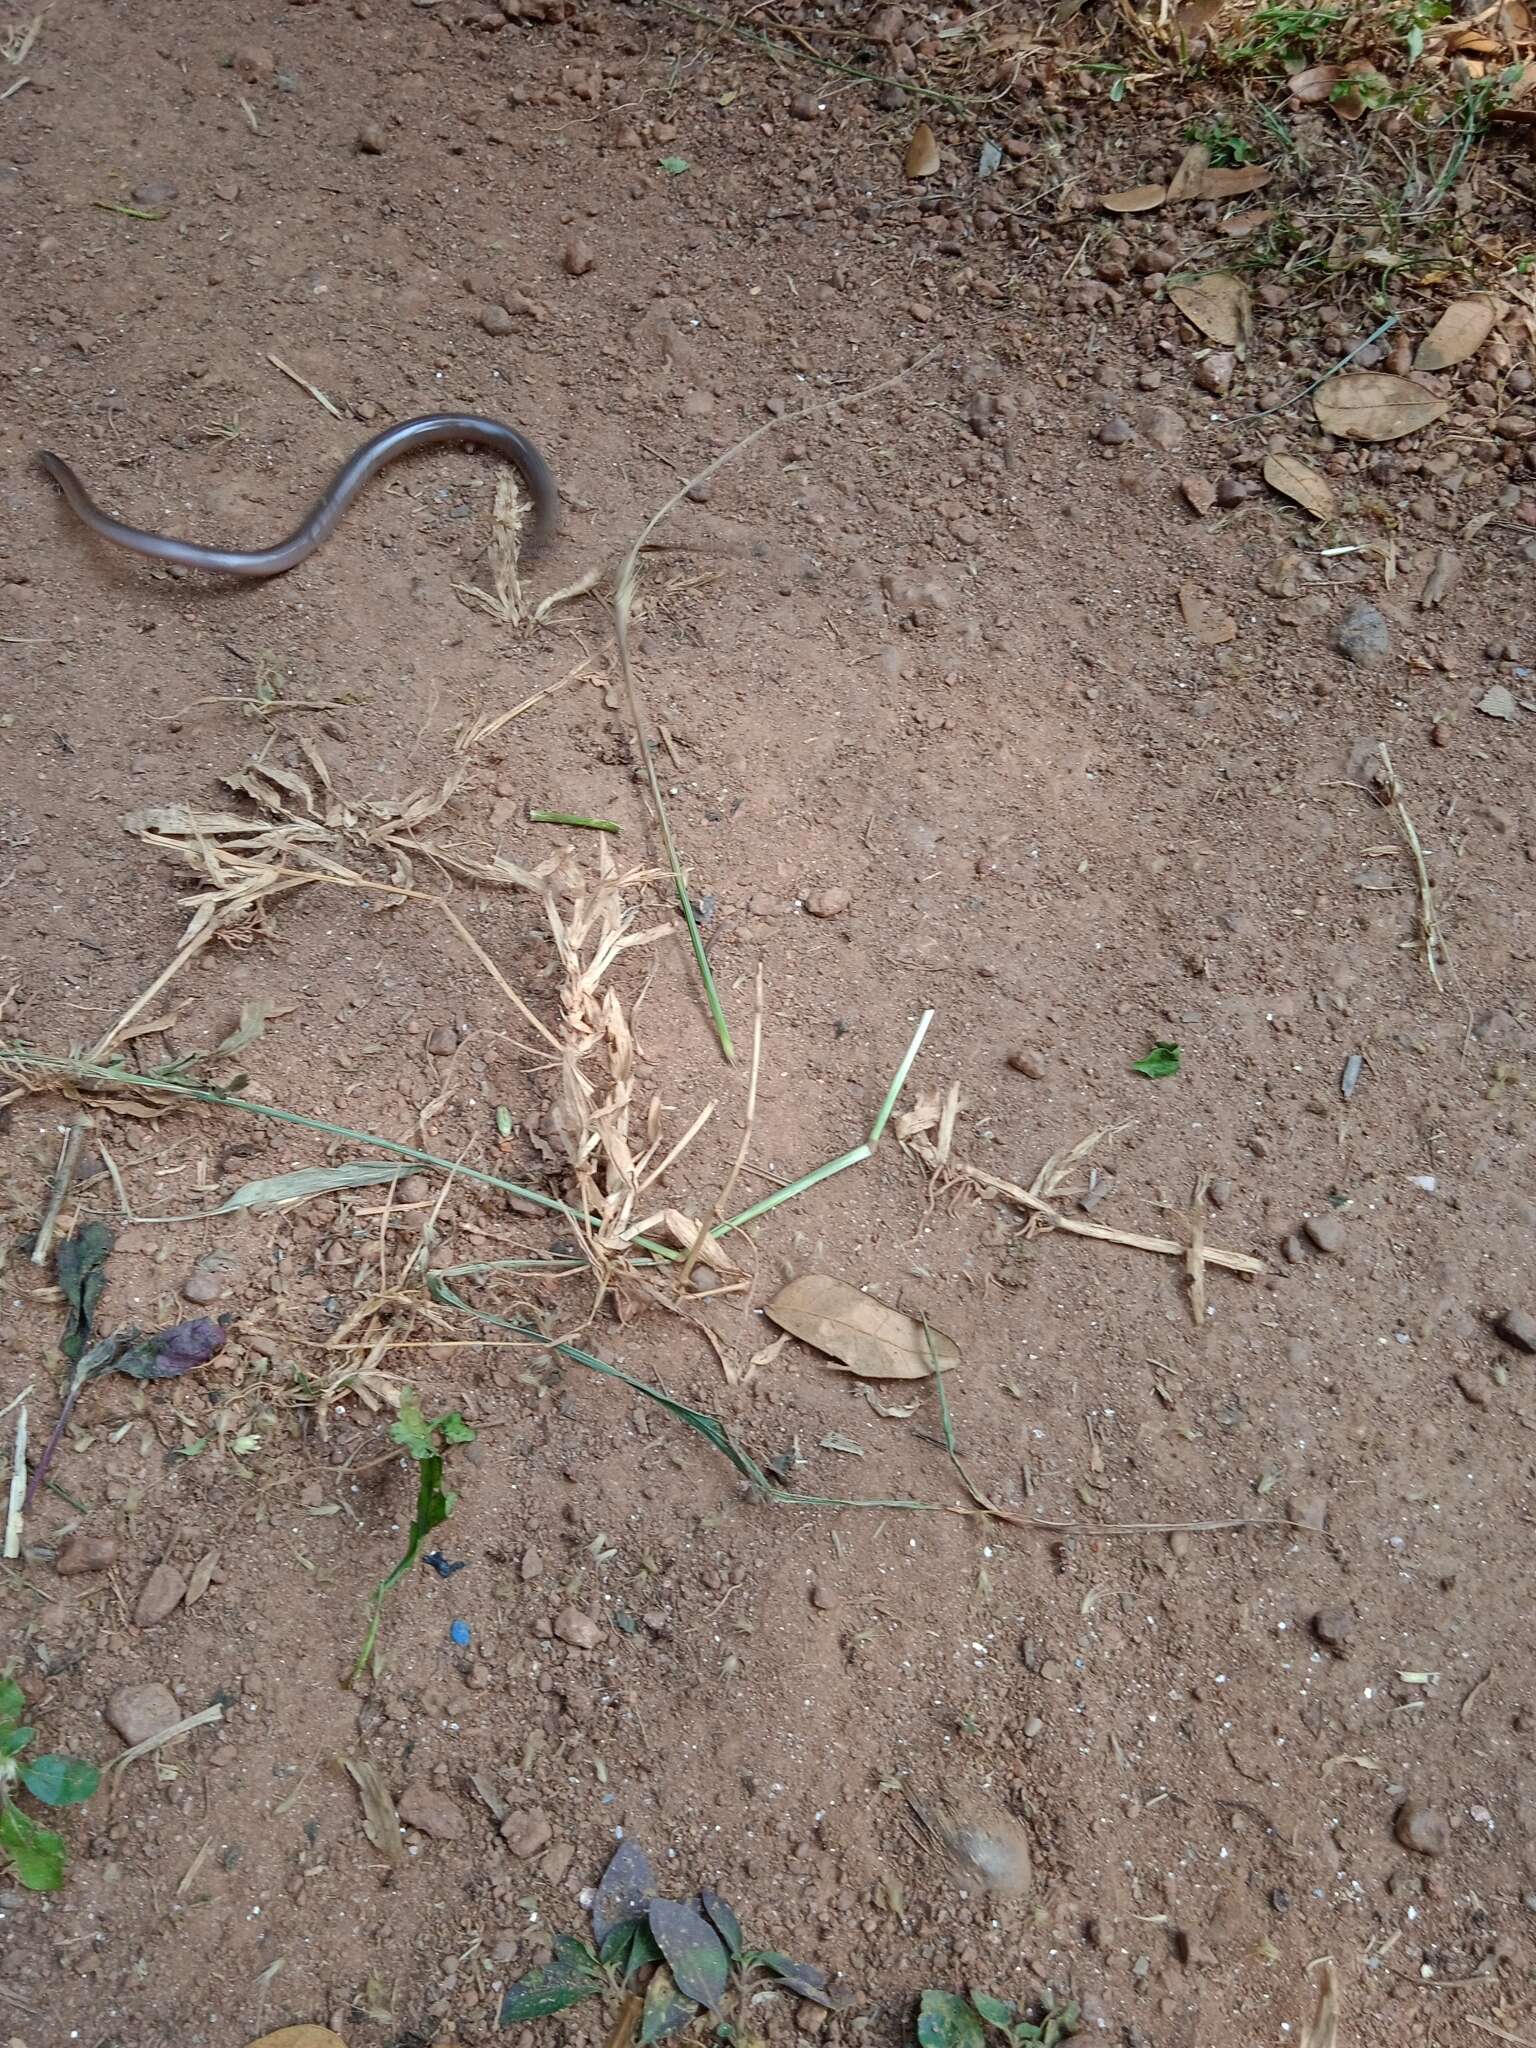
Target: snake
[(321, 520)]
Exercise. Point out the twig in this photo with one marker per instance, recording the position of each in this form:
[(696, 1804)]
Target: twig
[(1242, 418), (718, 1213), (153, 1742), (18, 1493), (1499, 2033), (1429, 919), (304, 385), (64, 1173), (1194, 1257)]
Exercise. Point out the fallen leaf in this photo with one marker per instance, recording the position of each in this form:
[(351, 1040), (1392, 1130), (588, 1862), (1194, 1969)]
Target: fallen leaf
[(1442, 576), (922, 158), (1373, 405), (1306, 487), (255, 1016), (862, 1334), (201, 1578), (684, 1231), (1160, 1064), (769, 1352), (381, 1823), (1246, 223), (1231, 181), (1136, 199), (1209, 625), (305, 1182), (1313, 85), (835, 1441), (1499, 702), (1193, 165), (1459, 333), (1194, 16), (300, 2037), (1220, 305)]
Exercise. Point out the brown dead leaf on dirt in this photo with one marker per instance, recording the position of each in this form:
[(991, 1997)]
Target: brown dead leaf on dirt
[(862, 1334), (1193, 165), (1459, 333), (201, 1578), (922, 158), (1322, 2029), (1303, 485), (1220, 305), (300, 2037), (901, 1414), (1135, 199), (381, 1823), (1231, 181), (1335, 86), (1206, 622), (1373, 405)]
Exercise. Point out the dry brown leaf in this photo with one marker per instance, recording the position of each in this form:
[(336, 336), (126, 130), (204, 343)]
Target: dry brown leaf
[(1230, 181), (901, 1414), (1209, 625), (1246, 223), (1135, 199), (862, 1334), (201, 1578), (1313, 85), (922, 158), (1322, 2029), (1194, 16), (1459, 333), (1305, 486), (1220, 305), (1373, 405), (300, 2037), (1441, 580), (381, 1823), (1187, 179)]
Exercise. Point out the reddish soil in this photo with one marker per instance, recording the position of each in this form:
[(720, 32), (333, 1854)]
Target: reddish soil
[(927, 651)]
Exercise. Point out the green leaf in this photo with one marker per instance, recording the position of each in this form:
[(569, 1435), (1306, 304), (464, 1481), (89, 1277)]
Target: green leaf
[(945, 2020), (60, 1780), (997, 2012), (666, 2010), (695, 1953), (570, 1976), (37, 1854), (1060, 2024), (14, 1741), (80, 1268), (674, 166), (411, 1427), (1159, 1063), (13, 1703), (726, 1925), (434, 1504), (454, 1429)]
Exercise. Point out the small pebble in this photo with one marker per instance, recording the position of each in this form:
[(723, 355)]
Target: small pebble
[(1333, 1627), (805, 106), (1420, 1828), (1325, 1231), (155, 192), (1198, 494), (164, 1590), (370, 139), (1471, 1389), (81, 1553), (1518, 1328), (496, 320), (1115, 432), (578, 258), (430, 1813), (1214, 372), (254, 63), (1362, 635), (1163, 427), (577, 1629), (828, 902), (525, 1834), (142, 1710), (210, 1279), (1029, 1064), (442, 1042)]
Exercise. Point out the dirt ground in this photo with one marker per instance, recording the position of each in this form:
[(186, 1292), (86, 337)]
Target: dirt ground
[(923, 668)]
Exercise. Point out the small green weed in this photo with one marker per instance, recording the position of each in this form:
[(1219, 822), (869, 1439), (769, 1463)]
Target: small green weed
[(682, 1964), (426, 1442), (945, 2019), (36, 1854), (1225, 145)]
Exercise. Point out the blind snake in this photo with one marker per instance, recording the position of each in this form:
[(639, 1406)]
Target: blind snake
[(320, 522)]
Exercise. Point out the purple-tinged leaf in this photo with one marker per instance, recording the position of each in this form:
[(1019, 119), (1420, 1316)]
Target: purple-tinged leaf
[(804, 1979), (726, 1925), (170, 1353), (666, 2012), (628, 1885), (694, 1952)]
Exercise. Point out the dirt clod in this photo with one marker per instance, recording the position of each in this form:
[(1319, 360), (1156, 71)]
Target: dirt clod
[(163, 1592), (1421, 1828), (828, 902), (1325, 1231), (431, 1812), (82, 1553), (525, 1834), (1362, 635), (371, 139), (578, 1629), (578, 258), (1030, 1064)]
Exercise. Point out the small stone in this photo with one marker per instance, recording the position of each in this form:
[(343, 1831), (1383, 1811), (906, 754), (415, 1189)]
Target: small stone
[(1029, 1064), (254, 63), (1214, 372), (1115, 432), (1325, 1231), (1471, 1389), (1362, 636), (578, 258), (430, 1813), (154, 192), (81, 1553), (1333, 1627), (370, 139), (532, 1566), (496, 320), (143, 1710), (1198, 494), (210, 1279), (525, 1834), (821, 1599), (442, 1042), (805, 106), (1518, 1328), (577, 1629), (1163, 427), (163, 1593), (555, 1865), (828, 902), (1420, 1828), (1232, 491), (1440, 733), (1219, 1192), (1499, 702)]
